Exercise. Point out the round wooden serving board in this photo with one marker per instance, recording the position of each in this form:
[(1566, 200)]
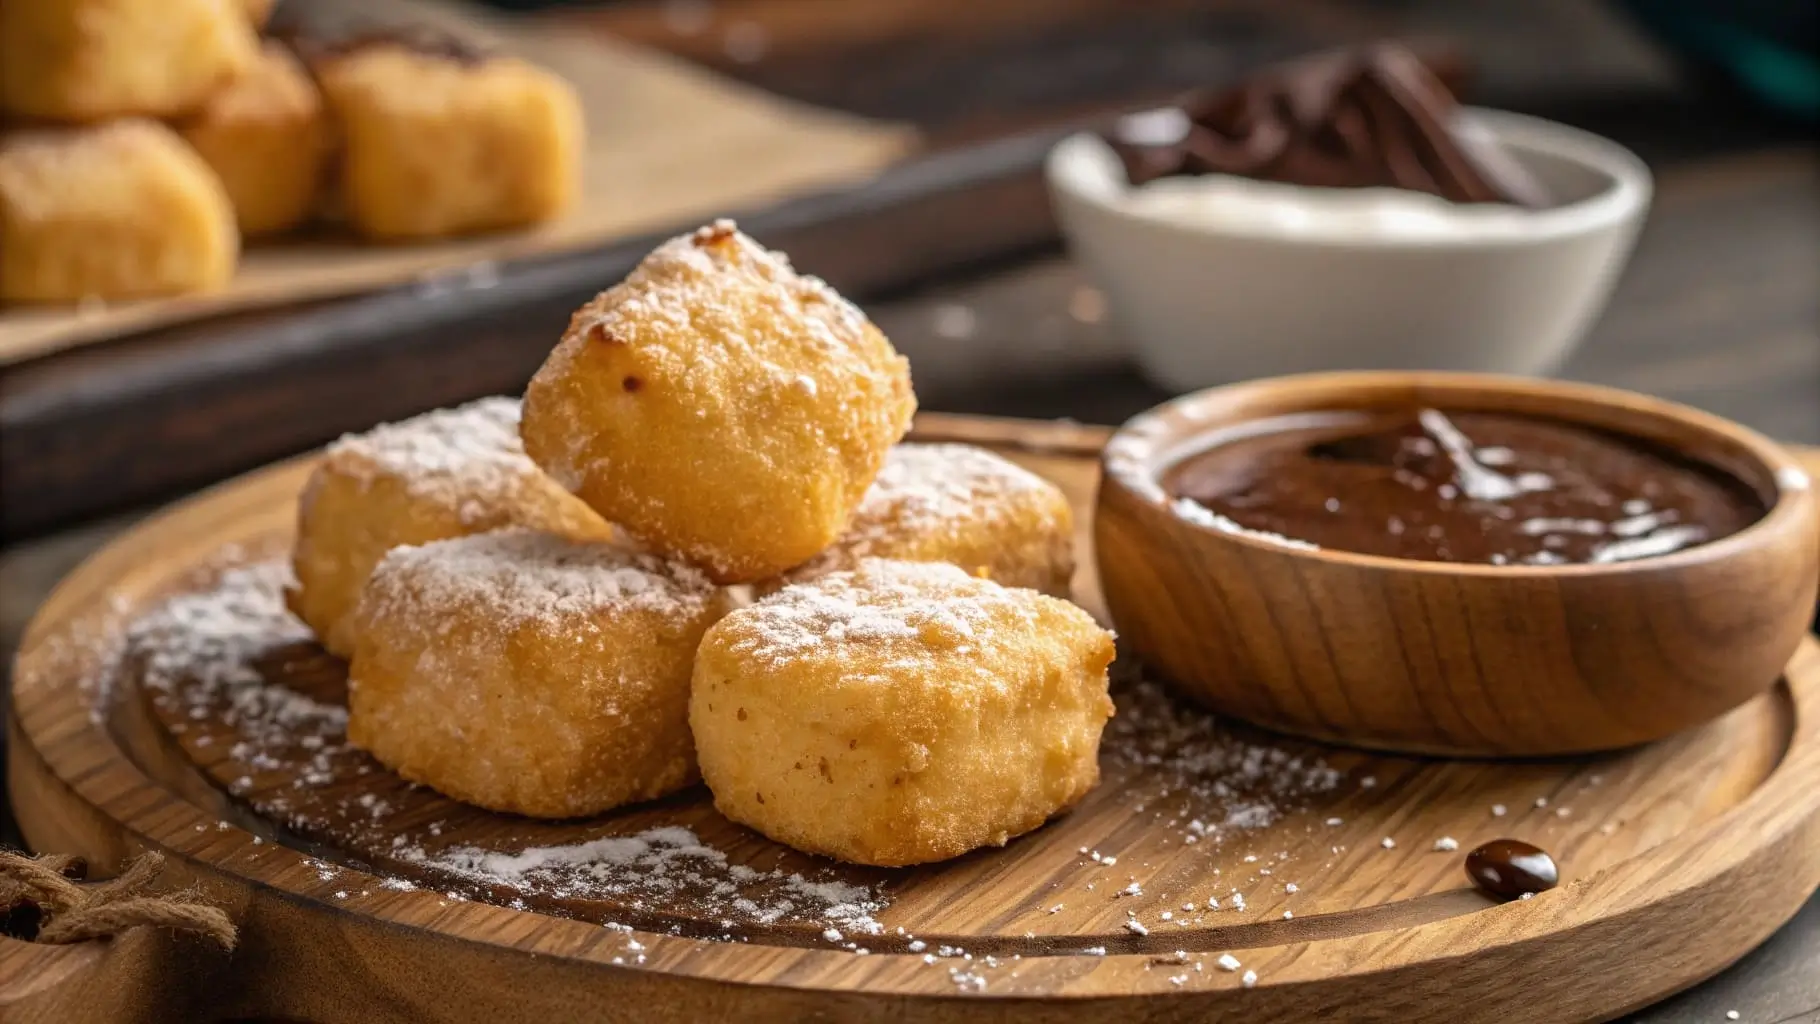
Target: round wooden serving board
[(361, 897)]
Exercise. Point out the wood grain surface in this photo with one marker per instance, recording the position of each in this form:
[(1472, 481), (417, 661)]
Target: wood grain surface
[(1678, 857)]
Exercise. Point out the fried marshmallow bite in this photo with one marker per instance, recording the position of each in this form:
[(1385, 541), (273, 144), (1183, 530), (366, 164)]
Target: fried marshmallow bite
[(88, 60), (444, 474), (526, 673), (448, 143), (721, 407), (965, 506), (123, 210), (900, 713), (266, 136)]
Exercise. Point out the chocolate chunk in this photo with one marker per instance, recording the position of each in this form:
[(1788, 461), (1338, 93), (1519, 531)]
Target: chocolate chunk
[(1373, 117)]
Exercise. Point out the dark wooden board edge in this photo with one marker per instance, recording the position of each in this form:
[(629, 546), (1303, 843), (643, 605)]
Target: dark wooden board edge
[(134, 420)]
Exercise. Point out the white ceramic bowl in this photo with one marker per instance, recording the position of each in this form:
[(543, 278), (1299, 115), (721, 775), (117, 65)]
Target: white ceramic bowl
[(1205, 305)]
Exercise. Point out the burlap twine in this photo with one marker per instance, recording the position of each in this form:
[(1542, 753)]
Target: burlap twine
[(76, 912)]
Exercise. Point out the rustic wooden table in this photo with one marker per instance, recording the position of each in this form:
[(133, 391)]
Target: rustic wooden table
[(1720, 307)]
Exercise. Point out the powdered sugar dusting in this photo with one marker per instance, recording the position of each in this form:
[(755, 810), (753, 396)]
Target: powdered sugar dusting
[(523, 575), (471, 451), (680, 276), (888, 606), (933, 482), (931, 490)]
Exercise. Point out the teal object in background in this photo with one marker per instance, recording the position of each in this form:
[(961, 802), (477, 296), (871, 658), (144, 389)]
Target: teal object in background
[(1770, 47)]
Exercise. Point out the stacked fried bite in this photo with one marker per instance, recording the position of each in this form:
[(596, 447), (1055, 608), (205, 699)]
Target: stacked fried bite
[(720, 406), (963, 505), (448, 473), (903, 693)]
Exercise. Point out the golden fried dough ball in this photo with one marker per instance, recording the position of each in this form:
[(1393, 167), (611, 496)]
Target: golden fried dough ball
[(444, 474), (963, 505), (900, 713), (720, 406), (527, 673), (117, 211), (266, 136), (438, 144), (87, 60)]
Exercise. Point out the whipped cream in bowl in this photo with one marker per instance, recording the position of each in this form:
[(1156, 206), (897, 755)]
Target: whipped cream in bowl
[(1227, 202), (1232, 202)]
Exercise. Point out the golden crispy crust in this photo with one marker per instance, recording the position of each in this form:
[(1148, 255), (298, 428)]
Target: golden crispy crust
[(526, 673), (962, 505), (448, 473), (90, 60), (721, 407), (116, 211), (266, 136), (900, 713), (434, 146)]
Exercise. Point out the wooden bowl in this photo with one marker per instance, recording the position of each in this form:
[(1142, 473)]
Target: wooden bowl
[(1444, 658)]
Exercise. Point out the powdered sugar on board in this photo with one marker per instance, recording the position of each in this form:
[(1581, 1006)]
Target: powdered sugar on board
[(206, 648), (209, 657), (259, 708), (663, 864), (1221, 781), (229, 667)]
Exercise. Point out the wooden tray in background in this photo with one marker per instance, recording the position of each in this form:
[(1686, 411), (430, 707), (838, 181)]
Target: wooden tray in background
[(1678, 857), (99, 428)]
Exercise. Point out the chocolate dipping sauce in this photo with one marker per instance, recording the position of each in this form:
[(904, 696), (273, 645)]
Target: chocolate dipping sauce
[(1481, 487)]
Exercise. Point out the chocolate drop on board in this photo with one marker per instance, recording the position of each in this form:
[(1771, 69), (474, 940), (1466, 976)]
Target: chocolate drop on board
[(1509, 868)]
